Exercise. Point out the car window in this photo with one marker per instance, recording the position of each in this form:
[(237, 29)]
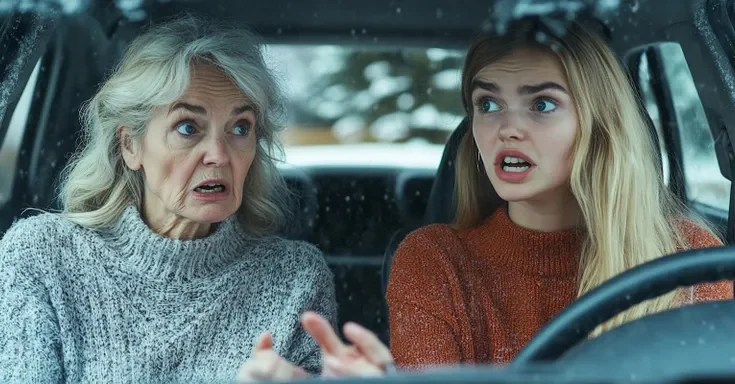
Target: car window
[(13, 137), (704, 181), (388, 105)]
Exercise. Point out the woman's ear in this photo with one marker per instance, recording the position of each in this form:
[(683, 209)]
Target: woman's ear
[(129, 149)]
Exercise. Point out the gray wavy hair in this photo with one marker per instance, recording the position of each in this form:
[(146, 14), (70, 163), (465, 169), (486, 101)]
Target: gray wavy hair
[(97, 186)]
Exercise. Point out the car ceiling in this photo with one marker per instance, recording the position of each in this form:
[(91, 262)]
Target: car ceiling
[(405, 22)]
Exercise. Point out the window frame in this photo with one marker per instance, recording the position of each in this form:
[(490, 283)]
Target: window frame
[(671, 134)]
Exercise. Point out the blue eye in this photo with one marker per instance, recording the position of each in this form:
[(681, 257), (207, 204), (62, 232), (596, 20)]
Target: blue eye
[(544, 105), (186, 128), (488, 105), (241, 129)]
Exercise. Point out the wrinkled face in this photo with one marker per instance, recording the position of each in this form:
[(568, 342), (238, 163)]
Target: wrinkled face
[(197, 151), (525, 124)]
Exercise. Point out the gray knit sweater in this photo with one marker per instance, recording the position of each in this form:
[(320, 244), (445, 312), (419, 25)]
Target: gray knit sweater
[(130, 306)]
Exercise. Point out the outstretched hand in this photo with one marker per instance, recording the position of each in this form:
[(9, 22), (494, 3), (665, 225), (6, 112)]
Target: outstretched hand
[(367, 357), (266, 365)]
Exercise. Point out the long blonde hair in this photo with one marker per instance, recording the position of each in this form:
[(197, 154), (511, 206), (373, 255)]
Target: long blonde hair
[(629, 216), (155, 70)]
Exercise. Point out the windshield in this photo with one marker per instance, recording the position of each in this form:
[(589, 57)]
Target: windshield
[(375, 104)]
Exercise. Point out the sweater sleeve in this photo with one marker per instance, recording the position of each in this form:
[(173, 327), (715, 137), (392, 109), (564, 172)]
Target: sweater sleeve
[(424, 330), (30, 346), (317, 294), (720, 290)]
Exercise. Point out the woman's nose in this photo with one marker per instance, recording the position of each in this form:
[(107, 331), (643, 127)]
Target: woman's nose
[(511, 127), (215, 152)]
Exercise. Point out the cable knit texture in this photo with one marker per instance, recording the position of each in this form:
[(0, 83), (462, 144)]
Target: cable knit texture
[(130, 306), (478, 296)]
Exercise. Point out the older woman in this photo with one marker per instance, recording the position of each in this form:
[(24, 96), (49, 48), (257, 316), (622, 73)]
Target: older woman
[(163, 265)]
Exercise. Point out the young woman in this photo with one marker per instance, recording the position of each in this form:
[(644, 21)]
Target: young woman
[(558, 135)]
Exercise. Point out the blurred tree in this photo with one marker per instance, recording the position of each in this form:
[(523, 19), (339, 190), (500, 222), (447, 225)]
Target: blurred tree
[(384, 94)]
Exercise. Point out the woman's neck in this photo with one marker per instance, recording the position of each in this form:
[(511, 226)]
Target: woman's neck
[(172, 225), (548, 216)]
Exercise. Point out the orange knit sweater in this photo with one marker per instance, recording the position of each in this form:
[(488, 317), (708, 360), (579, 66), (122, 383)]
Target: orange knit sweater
[(479, 295)]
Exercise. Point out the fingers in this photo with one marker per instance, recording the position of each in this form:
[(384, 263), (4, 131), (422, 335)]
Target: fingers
[(322, 332), (267, 365), (334, 367), (264, 342), (286, 371), (368, 344), (368, 357)]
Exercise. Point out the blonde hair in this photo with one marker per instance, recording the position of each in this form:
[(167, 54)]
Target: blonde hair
[(155, 70), (629, 216)]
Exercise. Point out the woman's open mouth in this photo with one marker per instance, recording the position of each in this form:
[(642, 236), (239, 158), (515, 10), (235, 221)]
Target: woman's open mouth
[(210, 188), (515, 164)]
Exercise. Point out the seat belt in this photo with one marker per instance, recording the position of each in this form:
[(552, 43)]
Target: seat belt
[(730, 235), (730, 148)]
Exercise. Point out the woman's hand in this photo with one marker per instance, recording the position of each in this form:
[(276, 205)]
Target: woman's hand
[(367, 357), (266, 365)]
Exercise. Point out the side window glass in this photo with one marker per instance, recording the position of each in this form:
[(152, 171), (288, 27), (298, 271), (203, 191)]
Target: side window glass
[(704, 181), (13, 138)]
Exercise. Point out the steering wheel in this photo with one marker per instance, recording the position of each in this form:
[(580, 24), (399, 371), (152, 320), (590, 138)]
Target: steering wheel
[(691, 338)]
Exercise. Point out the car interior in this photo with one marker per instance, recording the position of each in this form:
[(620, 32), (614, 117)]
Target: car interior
[(680, 56)]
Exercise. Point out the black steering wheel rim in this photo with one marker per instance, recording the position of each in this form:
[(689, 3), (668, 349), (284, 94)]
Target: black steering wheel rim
[(622, 292)]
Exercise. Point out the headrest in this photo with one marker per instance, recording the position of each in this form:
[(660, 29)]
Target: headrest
[(440, 208)]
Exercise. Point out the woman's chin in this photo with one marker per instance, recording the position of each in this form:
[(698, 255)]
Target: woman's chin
[(514, 194), (214, 213)]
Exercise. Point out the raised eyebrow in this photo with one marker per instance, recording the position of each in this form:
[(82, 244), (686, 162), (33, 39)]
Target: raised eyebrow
[(536, 88), (242, 109), (189, 107), (488, 86)]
